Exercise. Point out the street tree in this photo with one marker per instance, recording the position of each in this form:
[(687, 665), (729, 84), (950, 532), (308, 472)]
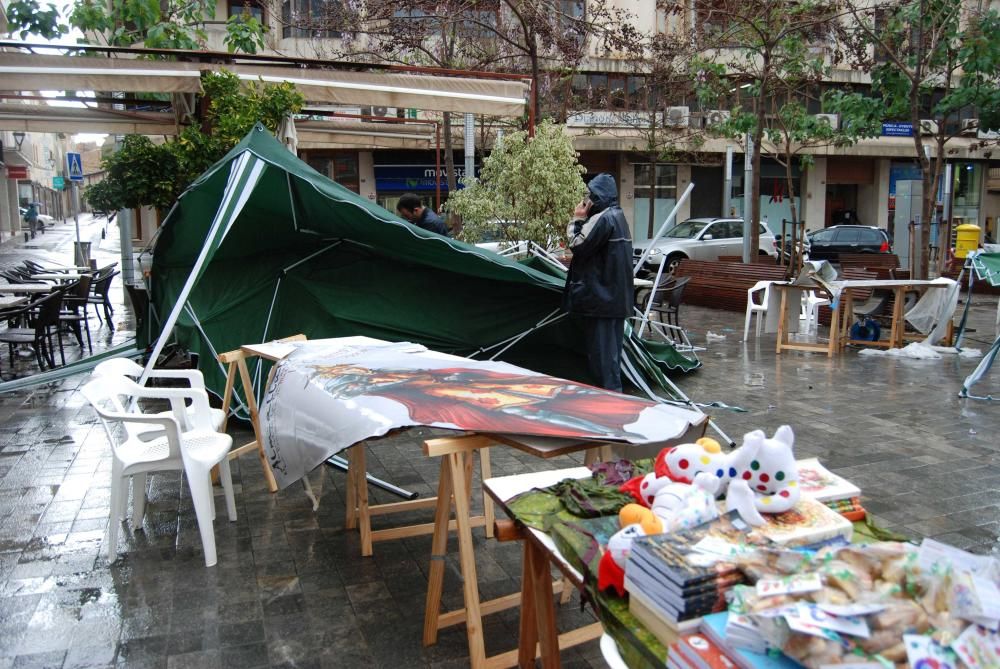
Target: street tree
[(935, 64), (749, 54), (168, 24), (534, 37), (144, 173), (526, 191)]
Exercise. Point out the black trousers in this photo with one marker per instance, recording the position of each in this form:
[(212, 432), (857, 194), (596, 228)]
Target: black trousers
[(604, 340)]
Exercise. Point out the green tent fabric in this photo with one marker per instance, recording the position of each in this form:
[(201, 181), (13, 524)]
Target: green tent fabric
[(264, 247)]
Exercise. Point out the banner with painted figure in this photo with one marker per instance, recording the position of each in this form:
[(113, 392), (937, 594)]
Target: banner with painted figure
[(330, 394)]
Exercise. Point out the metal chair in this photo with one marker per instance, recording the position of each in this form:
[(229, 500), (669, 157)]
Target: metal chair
[(39, 321), (77, 299), (195, 451), (667, 302), (99, 294)]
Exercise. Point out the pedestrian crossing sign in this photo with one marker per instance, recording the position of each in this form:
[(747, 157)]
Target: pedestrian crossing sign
[(74, 167)]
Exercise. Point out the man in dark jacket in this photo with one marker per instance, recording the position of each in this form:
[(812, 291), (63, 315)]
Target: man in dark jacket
[(599, 287), (412, 209)]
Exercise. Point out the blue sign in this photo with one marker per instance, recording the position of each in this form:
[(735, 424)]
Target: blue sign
[(893, 129), (414, 177), (74, 166)]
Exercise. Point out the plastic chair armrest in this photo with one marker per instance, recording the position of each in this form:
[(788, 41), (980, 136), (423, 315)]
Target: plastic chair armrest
[(193, 376)]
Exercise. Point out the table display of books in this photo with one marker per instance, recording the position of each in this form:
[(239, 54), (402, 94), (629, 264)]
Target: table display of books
[(771, 590)]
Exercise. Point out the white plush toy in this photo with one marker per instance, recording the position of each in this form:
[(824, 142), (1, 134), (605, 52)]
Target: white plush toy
[(764, 477)]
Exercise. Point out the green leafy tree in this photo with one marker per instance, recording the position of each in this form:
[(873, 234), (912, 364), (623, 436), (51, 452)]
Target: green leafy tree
[(531, 184), (142, 173), (935, 60), (756, 57), (170, 24)]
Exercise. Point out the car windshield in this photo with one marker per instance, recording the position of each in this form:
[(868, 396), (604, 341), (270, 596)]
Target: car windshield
[(686, 230)]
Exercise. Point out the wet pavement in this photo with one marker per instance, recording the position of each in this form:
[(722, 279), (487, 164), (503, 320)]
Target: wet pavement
[(290, 588)]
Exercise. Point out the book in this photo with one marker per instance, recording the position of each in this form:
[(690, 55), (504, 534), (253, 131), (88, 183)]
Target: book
[(643, 578), (666, 631), (675, 660), (674, 612), (714, 627), (849, 508), (696, 555), (704, 653), (808, 523), (821, 484)]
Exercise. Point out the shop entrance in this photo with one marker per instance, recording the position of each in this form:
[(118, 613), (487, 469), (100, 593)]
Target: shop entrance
[(842, 205), (706, 198)]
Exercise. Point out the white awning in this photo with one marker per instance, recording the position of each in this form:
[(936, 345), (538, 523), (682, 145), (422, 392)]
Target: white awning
[(32, 72), (50, 118)]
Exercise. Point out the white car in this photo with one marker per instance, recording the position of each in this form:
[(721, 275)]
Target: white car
[(44, 219), (702, 239)]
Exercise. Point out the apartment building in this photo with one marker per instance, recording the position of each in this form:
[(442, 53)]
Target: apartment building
[(873, 181)]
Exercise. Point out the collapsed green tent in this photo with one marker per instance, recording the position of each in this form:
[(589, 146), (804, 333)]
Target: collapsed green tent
[(262, 246)]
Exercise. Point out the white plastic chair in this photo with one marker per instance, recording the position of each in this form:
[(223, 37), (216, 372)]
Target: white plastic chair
[(133, 370), (194, 451), (609, 649), (759, 308), (811, 302)]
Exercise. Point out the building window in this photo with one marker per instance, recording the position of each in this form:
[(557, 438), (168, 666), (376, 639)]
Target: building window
[(250, 8), (666, 181), (311, 18), (571, 19)]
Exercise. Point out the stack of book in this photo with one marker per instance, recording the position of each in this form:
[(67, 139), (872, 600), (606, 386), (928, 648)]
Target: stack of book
[(819, 483), (679, 576), (719, 630)]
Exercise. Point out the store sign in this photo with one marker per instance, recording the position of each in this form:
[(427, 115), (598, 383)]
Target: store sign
[(17, 172), (414, 177), (607, 119), (58, 183), (897, 129)]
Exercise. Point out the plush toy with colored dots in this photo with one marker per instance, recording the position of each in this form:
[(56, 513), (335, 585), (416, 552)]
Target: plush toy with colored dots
[(679, 464), (764, 477)]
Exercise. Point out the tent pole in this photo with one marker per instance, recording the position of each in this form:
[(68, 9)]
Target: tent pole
[(663, 228), (215, 356), (235, 175), (309, 257)]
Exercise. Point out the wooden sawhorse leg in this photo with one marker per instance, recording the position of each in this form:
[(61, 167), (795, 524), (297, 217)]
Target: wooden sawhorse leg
[(359, 511), (453, 487)]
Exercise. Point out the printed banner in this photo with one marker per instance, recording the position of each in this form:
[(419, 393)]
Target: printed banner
[(330, 394)]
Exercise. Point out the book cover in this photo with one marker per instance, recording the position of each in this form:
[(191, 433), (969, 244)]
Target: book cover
[(698, 554), (714, 627), (821, 484), (809, 522), (705, 653), (642, 576)]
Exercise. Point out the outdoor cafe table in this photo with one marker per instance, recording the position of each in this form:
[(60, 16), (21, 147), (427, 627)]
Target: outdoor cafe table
[(56, 276), (25, 288), (843, 312), (6, 302)]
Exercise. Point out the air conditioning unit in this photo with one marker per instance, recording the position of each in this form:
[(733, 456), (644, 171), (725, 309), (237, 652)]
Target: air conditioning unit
[(928, 126), (383, 111), (676, 117), (715, 117), (970, 126), (833, 120)]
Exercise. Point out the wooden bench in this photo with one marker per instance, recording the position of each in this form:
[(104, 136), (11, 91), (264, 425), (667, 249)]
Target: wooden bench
[(885, 265), (759, 259), (724, 285)]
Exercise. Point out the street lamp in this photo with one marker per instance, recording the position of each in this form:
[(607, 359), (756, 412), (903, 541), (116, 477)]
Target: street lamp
[(18, 139)]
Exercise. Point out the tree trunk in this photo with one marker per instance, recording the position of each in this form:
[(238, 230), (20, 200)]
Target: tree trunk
[(449, 158), (651, 218)]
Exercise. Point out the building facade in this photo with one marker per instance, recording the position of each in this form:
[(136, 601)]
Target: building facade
[(871, 182)]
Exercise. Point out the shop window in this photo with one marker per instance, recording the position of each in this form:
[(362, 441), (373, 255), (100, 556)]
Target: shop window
[(636, 91), (598, 91), (311, 18), (616, 88), (968, 182), (250, 8), (342, 167)]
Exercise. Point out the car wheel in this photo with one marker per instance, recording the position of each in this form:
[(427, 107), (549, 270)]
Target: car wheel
[(672, 262)]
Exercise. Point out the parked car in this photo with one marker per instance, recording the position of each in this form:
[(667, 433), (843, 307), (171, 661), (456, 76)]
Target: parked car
[(829, 243), (702, 239), (44, 219)]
